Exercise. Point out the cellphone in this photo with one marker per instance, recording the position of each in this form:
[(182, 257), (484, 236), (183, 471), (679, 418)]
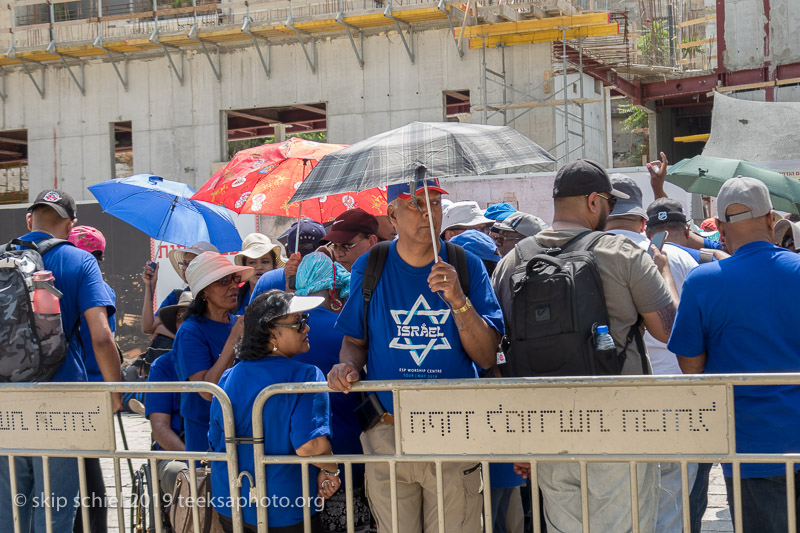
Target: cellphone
[(152, 265), (658, 241)]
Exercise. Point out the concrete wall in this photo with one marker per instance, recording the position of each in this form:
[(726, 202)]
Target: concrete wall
[(594, 120), (744, 33), (177, 130)]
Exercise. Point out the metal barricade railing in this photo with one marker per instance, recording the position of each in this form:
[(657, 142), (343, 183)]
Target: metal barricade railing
[(40, 402), (712, 441)]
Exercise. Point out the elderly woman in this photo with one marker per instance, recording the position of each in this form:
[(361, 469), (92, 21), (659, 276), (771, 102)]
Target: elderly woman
[(262, 255), (275, 331), (205, 341)]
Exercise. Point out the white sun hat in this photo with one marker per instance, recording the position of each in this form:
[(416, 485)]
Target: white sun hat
[(258, 245), (176, 255), (209, 267)]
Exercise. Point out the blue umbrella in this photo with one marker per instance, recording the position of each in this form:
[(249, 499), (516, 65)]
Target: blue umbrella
[(162, 209)]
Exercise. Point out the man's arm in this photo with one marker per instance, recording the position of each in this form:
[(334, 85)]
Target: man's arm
[(352, 359), (162, 432), (658, 173), (693, 365), (659, 323), (105, 349)]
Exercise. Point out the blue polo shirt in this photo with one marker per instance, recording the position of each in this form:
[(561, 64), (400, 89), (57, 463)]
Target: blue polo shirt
[(274, 279), (742, 313), (412, 332), (290, 420), (79, 278), (163, 369), (197, 346), (92, 368)]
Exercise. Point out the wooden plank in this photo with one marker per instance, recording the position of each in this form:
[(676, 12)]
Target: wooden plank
[(693, 22), (508, 28), (692, 44), (544, 36), (745, 87), (787, 81), (546, 103)]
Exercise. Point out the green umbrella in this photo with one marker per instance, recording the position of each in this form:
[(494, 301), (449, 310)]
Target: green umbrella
[(705, 175)]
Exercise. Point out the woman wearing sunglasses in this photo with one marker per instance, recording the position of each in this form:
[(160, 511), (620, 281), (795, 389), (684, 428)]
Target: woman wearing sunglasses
[(205, 342), (275, 331)]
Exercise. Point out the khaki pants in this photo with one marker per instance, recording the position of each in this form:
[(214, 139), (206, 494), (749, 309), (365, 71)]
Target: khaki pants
[(416, 490)]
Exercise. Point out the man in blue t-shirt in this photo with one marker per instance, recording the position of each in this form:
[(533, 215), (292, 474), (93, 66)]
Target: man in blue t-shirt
[(421, 326), (739, 316), (77, 276)]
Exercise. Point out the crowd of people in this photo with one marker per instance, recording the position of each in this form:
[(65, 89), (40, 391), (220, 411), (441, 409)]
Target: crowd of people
[(676, 298)]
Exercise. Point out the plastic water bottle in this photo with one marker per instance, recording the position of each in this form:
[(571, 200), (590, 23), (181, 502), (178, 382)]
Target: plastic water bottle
[(45, 302), (603, 341)]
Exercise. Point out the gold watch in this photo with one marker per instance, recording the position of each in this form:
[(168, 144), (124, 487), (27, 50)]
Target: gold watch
[(467, 306)]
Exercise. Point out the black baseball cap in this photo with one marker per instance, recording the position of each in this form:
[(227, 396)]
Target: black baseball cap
[(61, 202), (665, 210), (581, 177)]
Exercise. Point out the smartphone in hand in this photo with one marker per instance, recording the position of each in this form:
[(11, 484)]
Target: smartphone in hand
[(658, 241)]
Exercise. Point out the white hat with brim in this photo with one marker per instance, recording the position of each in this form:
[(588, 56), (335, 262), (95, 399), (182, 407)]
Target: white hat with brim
[(169, 313), (782, 226), (209, 267), (176, 254), (297, 304), (257, 245), (468, 214)]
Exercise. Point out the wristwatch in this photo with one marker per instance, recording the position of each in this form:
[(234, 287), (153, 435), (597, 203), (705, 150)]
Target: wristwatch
[(467, 306)]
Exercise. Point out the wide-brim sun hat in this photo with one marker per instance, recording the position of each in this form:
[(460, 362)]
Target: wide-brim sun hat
[(169, 313), (209, 267), (783, 226), (176, 255), (258, 245)]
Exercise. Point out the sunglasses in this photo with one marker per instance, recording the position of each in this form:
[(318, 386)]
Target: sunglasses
[(612, 201), (230, 278), (346, 247), (500, 239), (299, 325)]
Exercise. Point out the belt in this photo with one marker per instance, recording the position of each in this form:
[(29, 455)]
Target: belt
[(388, 418)]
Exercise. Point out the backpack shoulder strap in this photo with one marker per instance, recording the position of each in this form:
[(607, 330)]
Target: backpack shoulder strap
[(583, 242), (458, 258), (372, 274), (45, 245), (527, 248)]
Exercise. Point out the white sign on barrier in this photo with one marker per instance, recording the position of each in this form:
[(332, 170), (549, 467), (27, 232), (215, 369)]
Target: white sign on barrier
[(614, 420), (57, 421)]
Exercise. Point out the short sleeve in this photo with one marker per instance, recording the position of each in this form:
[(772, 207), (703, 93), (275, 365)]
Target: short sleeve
[(158, 402), (311, 415), (648, 289), (192, 352), (216, 434), (351, 319), (274, 279), (93, 292), (169, 300), (713, 245), (482, 295), (501, 281), (688, 338)]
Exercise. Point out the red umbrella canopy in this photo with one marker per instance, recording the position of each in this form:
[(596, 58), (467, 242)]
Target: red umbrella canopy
[(261, 180)]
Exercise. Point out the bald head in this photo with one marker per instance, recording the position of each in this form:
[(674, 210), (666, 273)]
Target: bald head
[(46, 219), (744, 230)]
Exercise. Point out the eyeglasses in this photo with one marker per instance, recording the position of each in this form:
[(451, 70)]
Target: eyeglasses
[(230, 278), (612, 201), (500, 239), (346, 247), (299, 325), (183, 264)]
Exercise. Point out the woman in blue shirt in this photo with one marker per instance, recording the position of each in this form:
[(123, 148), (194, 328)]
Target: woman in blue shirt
[(257, 252), (204, 344), (275, 330)]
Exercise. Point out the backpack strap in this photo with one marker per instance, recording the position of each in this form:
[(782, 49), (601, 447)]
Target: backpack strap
[(458, 258), (635, 334), (45, 245), (372, 274), (583, 242)]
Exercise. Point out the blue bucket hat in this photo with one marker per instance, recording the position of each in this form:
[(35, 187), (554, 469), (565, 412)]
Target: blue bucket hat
[(478, 243), (499, 211)]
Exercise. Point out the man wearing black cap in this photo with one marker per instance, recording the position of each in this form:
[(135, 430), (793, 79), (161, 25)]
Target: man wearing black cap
[(633, 285), (77, 276), (666, 214), (352, 235)]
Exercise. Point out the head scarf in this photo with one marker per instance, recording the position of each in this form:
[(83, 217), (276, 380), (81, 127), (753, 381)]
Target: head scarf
[(317, 273)]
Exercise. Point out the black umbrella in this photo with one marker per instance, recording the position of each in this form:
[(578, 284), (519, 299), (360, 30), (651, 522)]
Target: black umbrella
[(418, 151)]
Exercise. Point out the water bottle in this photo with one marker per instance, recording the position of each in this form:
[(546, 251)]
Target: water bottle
[(45, 299), (603, 341)]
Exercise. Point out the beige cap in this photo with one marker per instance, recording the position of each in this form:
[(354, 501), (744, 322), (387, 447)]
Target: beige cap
[(742, 190), (782, 226), (258, 245), (209, 267), (176, 255)]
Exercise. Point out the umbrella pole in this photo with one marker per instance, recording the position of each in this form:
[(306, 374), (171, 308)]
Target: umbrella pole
[(297, 233), (430, 221)]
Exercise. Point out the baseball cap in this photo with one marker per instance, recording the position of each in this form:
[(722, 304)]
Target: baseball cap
[(349, 224), (61, 202), (88, 238), (664, 210), (748, 192), (782, 227), (523, 223), (631, 206), (311, 233), (400, 190), (478, 243), (464, 214), (499, 211), (581, 177)]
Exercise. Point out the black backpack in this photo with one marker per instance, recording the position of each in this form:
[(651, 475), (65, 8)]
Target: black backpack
[(32, 345), (557, 304), (377, 259)]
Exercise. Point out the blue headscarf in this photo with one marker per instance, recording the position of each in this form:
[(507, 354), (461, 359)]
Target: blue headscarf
[(317, 273)]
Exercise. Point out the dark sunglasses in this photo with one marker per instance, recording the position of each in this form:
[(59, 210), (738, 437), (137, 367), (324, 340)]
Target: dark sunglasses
[(612, 201), (230, 278), (299, 325)]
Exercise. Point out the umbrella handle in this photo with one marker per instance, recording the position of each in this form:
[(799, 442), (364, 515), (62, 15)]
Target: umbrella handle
[(430, 223)]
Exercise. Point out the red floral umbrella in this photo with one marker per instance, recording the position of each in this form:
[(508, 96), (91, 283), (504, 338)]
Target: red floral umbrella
[(261, 180)]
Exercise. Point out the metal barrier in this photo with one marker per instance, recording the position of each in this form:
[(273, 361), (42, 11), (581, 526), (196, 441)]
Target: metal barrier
[(630, 419), (80, 415)]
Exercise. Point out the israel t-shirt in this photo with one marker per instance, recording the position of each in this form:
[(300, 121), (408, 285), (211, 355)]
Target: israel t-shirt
[(412, 331)]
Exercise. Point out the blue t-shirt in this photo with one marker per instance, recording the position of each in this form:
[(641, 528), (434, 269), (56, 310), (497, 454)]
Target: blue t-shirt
[(740, 312), (502, 476), (290, 420), (79, 278), (709, 243), (326, 343), (171, 299), (197, 346), (163, 369), (412, 333), (274, 279), (92, 368)]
